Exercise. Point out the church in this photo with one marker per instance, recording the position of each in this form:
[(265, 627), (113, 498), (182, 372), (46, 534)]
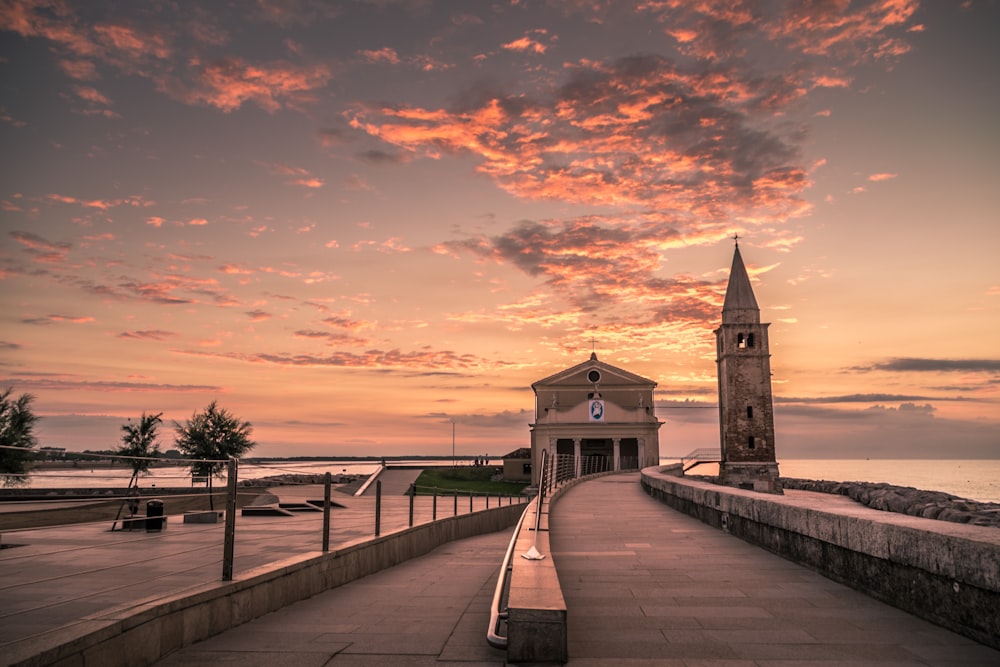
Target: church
[(603, 416)]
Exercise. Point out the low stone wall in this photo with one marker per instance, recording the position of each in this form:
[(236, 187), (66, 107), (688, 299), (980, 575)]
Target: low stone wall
[(141, 633), (946, 573), (537, 615)]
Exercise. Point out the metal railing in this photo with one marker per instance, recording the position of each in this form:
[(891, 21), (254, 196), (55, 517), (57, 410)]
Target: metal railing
[(196, 553), (554, 471), (700, 456)]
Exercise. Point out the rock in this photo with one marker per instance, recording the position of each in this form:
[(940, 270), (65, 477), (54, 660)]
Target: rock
[(906, 500)]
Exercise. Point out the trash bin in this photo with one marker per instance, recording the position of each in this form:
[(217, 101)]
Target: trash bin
[(154, 515)]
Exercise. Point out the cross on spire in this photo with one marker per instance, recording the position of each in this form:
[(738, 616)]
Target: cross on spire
[(736, 239)]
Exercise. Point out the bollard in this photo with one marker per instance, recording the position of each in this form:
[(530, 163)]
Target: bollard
[(378, 507), (326, 511), (413, 493), (230, 534)]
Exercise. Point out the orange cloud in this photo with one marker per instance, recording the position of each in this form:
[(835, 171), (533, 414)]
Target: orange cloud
[(131, 43), (81, 70), (882, 177), (528, 43), (385, 54), (227, 83)]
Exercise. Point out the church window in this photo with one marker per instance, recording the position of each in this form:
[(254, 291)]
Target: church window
[(750, 442), (741, 341), (749, 412), (749, 340)]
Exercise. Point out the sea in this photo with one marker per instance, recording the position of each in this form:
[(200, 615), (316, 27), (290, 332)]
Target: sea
[(971, 479)]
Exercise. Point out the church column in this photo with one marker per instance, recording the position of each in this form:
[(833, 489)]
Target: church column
[(577, 458), (641, 453), (616, 444)]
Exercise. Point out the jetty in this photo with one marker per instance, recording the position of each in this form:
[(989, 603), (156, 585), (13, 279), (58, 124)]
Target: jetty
[(639, 580)]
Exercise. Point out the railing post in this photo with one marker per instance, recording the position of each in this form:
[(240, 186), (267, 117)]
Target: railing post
[(455, 498), (378, 507), (230, 536), (434, 513), (470, 502), (326, 511), (413, 493)]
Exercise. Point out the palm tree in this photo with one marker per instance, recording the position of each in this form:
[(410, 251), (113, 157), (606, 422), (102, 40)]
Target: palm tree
[(213, 436), (17, 423)]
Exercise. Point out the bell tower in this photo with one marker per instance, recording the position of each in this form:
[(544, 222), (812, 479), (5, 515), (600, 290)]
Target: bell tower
[(746, 411)]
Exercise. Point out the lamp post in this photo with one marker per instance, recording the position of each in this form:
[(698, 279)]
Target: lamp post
[(453, 462)]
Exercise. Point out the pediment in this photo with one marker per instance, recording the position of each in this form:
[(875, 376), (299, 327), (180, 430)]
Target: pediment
[(578, 377)]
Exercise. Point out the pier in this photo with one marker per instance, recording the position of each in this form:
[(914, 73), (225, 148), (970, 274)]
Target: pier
[(641, 581)]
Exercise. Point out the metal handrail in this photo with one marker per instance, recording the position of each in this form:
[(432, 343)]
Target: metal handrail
[(498, 611), (699, 456)]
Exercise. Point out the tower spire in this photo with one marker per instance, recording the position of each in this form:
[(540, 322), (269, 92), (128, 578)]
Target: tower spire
[(740, 304)]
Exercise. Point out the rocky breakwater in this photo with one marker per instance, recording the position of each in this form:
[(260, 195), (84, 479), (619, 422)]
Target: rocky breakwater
[(906, 500)]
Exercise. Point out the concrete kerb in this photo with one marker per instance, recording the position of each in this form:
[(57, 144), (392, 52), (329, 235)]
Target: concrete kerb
[(371, 480), (142, 633), (537, 614), (943, 572)]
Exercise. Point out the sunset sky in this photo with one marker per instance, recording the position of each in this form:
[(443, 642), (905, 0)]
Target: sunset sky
[(354, 223)]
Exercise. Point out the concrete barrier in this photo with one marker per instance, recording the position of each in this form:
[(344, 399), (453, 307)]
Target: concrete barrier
[(536, 609), (944, 572), (142, 633)]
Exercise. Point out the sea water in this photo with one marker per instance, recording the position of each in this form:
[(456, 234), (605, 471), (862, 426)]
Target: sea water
[(972, 479)]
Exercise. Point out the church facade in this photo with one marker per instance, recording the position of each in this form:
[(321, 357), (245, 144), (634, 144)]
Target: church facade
[(746, 406), (601, 414)]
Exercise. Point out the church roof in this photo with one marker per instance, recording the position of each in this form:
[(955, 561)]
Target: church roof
[(739, 293), (611, 376)]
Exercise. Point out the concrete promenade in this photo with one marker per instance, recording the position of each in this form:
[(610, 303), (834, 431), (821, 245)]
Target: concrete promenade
[(58, 581), (644, 585)]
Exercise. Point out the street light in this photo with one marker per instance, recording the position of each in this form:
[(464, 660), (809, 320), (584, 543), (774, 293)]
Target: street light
[(453, 462)]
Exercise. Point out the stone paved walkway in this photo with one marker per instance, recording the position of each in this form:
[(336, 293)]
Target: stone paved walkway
[(647, 585)]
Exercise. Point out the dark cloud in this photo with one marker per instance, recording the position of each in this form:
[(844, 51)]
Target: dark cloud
[(914, 364), (859, 398), (381, 157), (57, 384), (153, 334), (505, 420), (424, 362)]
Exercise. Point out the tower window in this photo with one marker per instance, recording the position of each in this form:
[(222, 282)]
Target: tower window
[(749, 412), (749, 340), (750, 442), (741, 341)]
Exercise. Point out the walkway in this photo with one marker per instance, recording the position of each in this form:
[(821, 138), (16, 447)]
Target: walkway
[(395, 481), (53, 579), (644, 585)]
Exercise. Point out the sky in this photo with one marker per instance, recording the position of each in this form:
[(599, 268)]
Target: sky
[(367, 225)]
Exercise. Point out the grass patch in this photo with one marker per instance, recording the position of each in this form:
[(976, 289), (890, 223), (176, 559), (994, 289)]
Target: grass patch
[(466, 479)]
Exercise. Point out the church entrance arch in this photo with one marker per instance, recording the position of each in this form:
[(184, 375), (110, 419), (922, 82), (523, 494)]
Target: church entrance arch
[(628, 453), (597, 454)]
